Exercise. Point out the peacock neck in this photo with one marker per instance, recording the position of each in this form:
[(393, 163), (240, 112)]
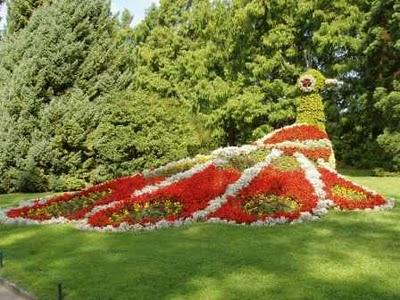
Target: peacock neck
[(311, 110)]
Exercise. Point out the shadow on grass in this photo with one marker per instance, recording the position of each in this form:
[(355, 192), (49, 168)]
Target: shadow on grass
[(344, 256)]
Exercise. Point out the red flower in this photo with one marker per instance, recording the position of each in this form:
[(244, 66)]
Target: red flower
[(306, 82), (113, 190), (270, 181), (193, 193), (300, 132), (313, 154), (332, 180)]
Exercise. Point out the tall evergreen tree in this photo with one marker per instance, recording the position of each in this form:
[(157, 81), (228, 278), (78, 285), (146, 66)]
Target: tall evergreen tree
[(1, 6), (366, 111), (58, 76), (65, 49), (20, 11), (235, 62)]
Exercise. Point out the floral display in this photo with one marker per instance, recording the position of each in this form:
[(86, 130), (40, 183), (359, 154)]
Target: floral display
[(208, 184), (307, 83), (347, 195), (286, 177), (243, 185), (309, 140), (272, 194), (74, 206), (297, 132)]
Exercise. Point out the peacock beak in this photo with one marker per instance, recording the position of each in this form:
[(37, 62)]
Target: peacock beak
[(333, 82)]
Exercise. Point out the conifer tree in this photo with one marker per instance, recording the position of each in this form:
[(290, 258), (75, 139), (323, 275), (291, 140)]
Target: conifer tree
[(63, 58), (20, 11)]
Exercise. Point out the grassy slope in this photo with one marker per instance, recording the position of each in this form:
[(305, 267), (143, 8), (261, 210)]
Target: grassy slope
[(8, 200), (344, 256)]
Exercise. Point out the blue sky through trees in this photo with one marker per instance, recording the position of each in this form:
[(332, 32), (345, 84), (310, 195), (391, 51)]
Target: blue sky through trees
[(137, 7)]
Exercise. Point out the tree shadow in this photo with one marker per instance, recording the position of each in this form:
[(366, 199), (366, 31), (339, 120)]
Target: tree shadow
[(344, 256)]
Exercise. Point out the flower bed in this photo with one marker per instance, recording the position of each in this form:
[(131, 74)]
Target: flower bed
[(347, 195), (313, 154), (187, 196), (273, 194), (307, 139), (283, 178), (74, 206), (298, 132)]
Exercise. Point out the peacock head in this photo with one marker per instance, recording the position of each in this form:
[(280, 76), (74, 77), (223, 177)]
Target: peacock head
[(313, 81)]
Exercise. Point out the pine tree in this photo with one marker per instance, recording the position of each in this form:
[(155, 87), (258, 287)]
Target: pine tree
[(20, 11), (65, 57)]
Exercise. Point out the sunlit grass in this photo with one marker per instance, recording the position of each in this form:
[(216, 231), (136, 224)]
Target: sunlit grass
[(11, 199), (345, 255)]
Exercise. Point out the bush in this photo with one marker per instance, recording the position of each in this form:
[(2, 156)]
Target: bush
[(30, 179), (138, 131)]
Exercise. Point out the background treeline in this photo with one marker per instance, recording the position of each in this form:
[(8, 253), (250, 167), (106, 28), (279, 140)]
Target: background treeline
[(84, 97)]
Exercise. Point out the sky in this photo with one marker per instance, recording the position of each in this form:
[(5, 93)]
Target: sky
[(136, 7), (2, 16)]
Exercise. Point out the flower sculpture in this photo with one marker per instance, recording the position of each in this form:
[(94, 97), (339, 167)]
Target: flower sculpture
[(306, 83), (286, 177)]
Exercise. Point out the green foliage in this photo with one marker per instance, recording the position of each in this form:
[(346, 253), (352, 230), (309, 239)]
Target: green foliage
[(311, 110), (65, 183), (348, 193), (286, 163), (389, 105), (140, 131), (372, 100), (245, 161), (390, 141), (20, 11), (265, 204), (28, 178), (52, 71), (196, 75)]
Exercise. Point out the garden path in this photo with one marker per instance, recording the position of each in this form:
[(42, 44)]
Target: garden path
[(8, 294)]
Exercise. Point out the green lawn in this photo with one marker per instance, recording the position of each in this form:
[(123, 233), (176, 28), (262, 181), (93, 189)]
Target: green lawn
[(346, 255)]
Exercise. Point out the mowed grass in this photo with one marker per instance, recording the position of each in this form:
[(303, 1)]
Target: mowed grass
[(345, 255)]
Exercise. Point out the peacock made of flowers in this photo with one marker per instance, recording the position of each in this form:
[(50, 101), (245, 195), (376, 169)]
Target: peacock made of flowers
[(286, 177)]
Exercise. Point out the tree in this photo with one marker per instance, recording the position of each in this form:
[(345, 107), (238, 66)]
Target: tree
[(368, 109), (69, 70), (1, 7), (236, 62), (20, 11), (64, 58), (126, 18), (382, 71), (140, 131)]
